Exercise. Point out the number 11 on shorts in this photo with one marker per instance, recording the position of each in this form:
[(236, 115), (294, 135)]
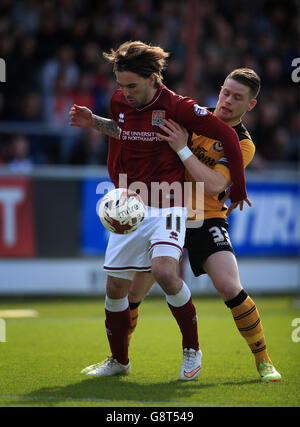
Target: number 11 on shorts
[(169, 222)]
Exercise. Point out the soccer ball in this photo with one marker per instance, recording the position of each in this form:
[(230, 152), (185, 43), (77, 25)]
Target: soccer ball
[(121, 211)]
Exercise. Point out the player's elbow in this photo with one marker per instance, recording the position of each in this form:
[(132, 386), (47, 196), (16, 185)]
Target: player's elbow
[(212, 190), (217, 185)]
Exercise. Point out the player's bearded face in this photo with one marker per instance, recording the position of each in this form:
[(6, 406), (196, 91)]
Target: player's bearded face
[(137, 90)]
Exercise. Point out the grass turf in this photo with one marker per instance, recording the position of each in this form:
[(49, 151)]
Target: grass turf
[(42, 357)]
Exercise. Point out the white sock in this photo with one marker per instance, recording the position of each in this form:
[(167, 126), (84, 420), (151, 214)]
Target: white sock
[(116, 305), (181, 298)]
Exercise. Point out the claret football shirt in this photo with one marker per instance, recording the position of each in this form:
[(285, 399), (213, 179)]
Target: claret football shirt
[(143, 157)]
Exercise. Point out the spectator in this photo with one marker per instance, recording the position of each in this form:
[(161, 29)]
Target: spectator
[(83, 93), (28, 109), (19, 159), (91, 149), (53, 49), (58, 74), (62, 100)]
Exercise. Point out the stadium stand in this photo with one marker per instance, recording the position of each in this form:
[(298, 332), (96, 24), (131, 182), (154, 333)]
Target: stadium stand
[(52, 51)]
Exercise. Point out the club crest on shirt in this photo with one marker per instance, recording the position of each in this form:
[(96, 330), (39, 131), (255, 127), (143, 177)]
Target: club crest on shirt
[(218, 146), (157, 117)]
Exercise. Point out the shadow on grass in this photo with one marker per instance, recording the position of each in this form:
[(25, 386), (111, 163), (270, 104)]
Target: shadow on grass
[(109, 391)]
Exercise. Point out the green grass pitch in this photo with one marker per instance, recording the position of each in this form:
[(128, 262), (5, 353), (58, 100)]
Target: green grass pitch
[(40, 361)]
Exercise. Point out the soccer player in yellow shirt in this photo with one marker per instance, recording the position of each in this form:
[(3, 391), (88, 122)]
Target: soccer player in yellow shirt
[(209, 245)]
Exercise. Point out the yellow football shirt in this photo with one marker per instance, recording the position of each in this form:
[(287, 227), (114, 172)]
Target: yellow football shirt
[(210, 152)]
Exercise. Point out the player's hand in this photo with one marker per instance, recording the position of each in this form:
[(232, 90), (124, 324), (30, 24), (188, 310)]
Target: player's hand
[(175, 135), (233, 205), (81, 116)]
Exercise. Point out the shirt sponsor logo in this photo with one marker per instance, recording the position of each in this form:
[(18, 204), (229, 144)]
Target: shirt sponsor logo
[(200, 111)]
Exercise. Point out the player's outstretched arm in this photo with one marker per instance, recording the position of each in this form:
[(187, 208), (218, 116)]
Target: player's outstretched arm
[(199, 120), (177, 138), (84, 118)]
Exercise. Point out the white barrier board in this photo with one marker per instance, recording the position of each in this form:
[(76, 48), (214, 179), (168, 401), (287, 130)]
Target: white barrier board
[(86, 277)]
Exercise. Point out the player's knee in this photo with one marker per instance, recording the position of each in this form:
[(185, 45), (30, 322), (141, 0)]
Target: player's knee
[(164, 270), (228, 288), (163, 276), (168, 280), (117, 287)]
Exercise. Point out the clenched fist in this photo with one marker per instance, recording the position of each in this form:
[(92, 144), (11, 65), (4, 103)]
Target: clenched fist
[(81, 116)]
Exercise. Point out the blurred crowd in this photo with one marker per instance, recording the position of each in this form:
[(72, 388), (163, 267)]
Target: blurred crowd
[(53, 53)]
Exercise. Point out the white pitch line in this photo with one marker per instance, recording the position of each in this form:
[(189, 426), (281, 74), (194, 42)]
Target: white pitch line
[(16, 314)]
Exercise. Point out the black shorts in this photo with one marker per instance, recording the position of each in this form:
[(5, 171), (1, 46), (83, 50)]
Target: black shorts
[(204, 241)]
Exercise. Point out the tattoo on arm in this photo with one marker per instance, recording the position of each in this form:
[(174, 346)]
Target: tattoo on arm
[(107, 126)]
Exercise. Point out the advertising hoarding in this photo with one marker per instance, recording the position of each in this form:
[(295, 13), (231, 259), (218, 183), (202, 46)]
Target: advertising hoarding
[(17, 234)]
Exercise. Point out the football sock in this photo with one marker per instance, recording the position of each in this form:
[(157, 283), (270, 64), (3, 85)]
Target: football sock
[(117, 325), (181, 297), (134, 310), (186, 317), (247, 320), (116, 304)]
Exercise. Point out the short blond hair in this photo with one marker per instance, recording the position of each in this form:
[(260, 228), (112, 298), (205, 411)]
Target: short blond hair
[(247, 77)]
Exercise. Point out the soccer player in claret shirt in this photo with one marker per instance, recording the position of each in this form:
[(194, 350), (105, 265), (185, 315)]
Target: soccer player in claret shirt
[(208, 244), (138, 108)]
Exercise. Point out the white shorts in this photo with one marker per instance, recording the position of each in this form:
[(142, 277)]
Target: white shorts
[(161, 233)]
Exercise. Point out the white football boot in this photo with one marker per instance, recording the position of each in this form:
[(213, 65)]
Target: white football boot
[(191, 364), (107, 368)]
